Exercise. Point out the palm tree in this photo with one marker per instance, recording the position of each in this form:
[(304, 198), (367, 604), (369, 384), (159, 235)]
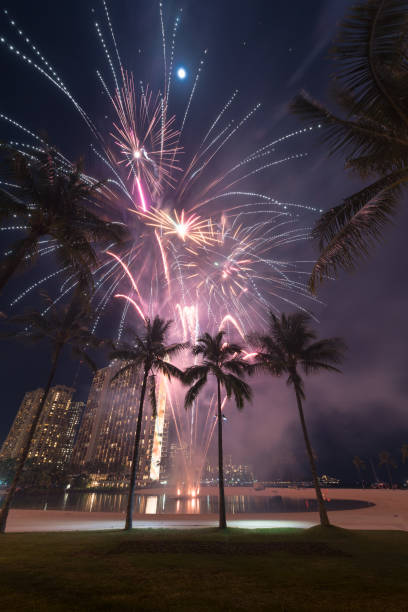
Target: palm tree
[(290, 345), (372, 132), (359, 464), (388, 461), (224, 361), (51, 202), (148, 354), (404, 452), (62, 326)]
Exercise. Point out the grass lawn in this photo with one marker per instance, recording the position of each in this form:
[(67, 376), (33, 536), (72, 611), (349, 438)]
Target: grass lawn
[(153, 569)]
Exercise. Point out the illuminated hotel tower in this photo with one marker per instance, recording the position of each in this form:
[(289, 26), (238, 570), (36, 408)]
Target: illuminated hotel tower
[(13, 444), (54, 437), (106, 437)]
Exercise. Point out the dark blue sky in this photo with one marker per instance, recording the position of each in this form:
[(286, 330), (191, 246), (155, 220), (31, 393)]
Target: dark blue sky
[(269, 51)]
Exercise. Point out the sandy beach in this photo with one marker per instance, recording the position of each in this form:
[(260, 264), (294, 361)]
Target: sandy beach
[(390, 512)]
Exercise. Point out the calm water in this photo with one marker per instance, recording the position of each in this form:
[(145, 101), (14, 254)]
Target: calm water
[(167, 504)]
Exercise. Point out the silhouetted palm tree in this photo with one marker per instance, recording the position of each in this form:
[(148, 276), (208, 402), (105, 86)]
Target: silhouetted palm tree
[(404, 452), (59, 327), (359, 464), (50, 202), (223, 361), (288, 346), (148, 354), (372, 92), (388, 461)]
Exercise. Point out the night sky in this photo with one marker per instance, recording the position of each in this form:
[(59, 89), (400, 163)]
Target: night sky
[(269, 51)]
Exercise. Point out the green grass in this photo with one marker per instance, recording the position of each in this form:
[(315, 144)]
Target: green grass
[(280, 569)]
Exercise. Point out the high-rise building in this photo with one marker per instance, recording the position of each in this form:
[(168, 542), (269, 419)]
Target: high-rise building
[(54, 436), (74, 419), (55, 433), (105, 442), (14, 443)]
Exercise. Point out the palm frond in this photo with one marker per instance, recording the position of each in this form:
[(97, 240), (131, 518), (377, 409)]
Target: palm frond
[(194, 391), (194, 372), (370, 54), (239, 389), (128, 367), (169, 369), (353, 138), (359, 223), (328, 351)]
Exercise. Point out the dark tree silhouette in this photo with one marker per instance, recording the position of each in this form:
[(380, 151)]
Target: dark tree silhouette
[(386, 460), (49, 202), (289, 345), (223, 361), (371, 82), (148, 354), (360, 465), (59, 327)]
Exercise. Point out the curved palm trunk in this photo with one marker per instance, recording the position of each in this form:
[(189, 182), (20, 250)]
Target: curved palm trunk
[(223, 520), (324, 519), (135, 459), (11, 264), (21, 462)]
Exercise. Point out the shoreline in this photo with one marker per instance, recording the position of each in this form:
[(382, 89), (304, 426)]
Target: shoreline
[(389, 512)]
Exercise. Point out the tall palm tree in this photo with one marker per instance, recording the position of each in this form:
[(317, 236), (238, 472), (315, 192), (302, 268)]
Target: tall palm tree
[(386, 459), (289, 345), (47, 201), (61, 326), (404, 452), (224, 362), (149, 354), (372, 131), (359, 464)]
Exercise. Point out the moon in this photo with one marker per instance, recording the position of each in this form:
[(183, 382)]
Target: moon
[(181, 73)]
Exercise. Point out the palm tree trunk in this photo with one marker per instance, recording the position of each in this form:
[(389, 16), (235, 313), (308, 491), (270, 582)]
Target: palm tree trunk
[(223, 520), (135, 459), (324, 519), (389, 474), (21, 462), (11, 263)]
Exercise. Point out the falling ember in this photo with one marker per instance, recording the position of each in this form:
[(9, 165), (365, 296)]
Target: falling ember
[(129, 299), (234, 322)]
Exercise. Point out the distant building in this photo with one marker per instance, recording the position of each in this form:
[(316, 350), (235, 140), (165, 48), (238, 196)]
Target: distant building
[(234, 475), (54, 437), (55, 433), (104, 447), (13, 444)]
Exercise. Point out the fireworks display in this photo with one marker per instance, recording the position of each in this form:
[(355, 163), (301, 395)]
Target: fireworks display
[(207, 249)]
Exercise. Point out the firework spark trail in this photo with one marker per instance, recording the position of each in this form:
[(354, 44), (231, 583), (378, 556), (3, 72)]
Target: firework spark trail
[(108, 57), (56, 81), (172, 49), (36, 285), (148, 146), (220, 115), (193, 89), (112, 33), (132, 301), (127, 271), (164, 260)]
